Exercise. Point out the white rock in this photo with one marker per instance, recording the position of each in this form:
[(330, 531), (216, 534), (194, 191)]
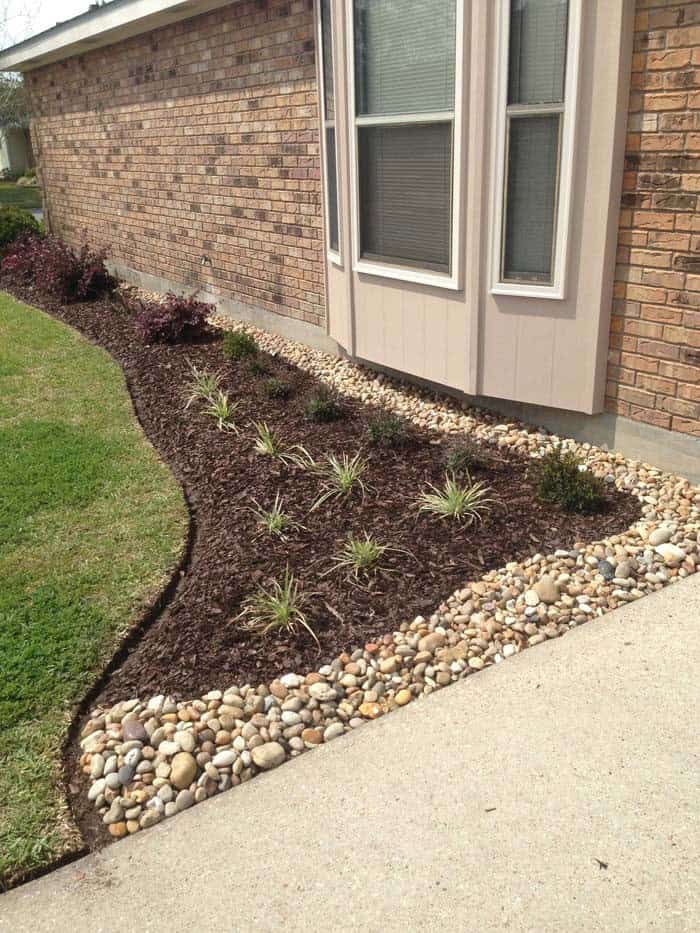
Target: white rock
[(333, 731), (291, 681), (97, 765), (185, 740), (660, 535), (155, 704), (224, 759), (671, 553), (96, 789), (268, 756), (323, 692)]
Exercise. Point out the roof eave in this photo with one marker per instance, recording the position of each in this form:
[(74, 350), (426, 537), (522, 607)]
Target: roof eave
[(105, 25)]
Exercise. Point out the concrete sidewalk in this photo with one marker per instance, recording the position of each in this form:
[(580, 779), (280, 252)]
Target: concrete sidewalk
[(557, 791)]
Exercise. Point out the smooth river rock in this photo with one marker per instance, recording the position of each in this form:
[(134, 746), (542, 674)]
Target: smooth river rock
[(268, 756), (183, 770)]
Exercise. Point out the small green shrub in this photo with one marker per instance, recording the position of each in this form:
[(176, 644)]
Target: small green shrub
[(323, 407), (340, 476), (268, 444), (238, 344), (14, 223), (222, 410), (463, 456), (275, 520), (277, 389), (387, 431), (202, 387), (258, 368), (360, 556), (280, 607), (465, 501), (564, 480)]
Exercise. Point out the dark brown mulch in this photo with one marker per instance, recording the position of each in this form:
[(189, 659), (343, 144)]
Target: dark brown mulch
[(197, 643)]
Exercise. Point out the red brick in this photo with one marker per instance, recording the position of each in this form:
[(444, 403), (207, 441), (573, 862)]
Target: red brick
[(197, 157), (677, 58), (658, 273), (658, 259), (686, 426), (667, 101), (680, 371), (648, 416), (661, 314), (655, 384)]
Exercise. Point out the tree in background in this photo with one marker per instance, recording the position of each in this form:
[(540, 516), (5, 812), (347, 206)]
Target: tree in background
[(16, 18), (13, 101)]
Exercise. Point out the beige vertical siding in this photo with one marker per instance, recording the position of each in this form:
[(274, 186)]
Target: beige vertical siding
[(548, 352), (543, 351)]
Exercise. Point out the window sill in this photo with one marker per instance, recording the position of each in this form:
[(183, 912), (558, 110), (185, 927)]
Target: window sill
[(404, 274), (550, 292), (335, 258)]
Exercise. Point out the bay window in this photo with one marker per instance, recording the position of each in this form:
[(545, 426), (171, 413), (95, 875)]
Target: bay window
[(404, 80), (538, 70), (328, 142)]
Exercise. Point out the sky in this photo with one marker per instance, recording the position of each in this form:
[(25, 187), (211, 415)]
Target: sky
[(24, 18)]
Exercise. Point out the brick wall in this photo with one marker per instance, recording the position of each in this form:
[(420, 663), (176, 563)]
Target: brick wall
[(654, 362), (192, 152)]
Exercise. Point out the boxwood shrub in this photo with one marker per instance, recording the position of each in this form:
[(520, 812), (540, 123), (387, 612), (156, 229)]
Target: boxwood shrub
[(564, 480)]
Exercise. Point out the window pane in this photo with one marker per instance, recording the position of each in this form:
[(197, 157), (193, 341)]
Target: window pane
[(406, 194), (531, 197), (404, 56), (332, 189), (537, 55), (327, 40)]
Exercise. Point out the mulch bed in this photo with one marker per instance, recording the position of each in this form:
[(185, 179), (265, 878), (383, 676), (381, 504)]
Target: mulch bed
[(198, 643)]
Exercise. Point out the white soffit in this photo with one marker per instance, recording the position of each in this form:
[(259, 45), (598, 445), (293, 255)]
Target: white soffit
[(100, 26)]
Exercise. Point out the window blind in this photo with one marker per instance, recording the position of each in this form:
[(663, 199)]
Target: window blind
[(531, 196), (406, 193), (405, 67), (404, 56), (332, 189), (327, 40), (537, 58), (332, 232)]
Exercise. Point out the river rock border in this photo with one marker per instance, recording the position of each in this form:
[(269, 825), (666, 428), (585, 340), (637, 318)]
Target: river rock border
[(149, 759)]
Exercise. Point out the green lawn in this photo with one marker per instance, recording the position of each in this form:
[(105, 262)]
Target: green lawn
[(91, 525), (13, 195)]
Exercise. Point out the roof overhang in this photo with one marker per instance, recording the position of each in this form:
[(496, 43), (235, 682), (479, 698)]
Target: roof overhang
[(100, 26)]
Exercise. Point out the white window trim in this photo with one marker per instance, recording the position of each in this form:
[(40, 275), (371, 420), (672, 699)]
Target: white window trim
[(334, 256), (557, 290), (451, 280)]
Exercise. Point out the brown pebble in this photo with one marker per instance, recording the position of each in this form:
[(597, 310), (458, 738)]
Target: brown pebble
[(118, 830), (278, 690), (311, 737)]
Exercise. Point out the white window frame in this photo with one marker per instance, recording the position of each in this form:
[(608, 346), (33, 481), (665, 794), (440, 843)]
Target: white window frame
[(562, 221), (334, 256), (451, 279)]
